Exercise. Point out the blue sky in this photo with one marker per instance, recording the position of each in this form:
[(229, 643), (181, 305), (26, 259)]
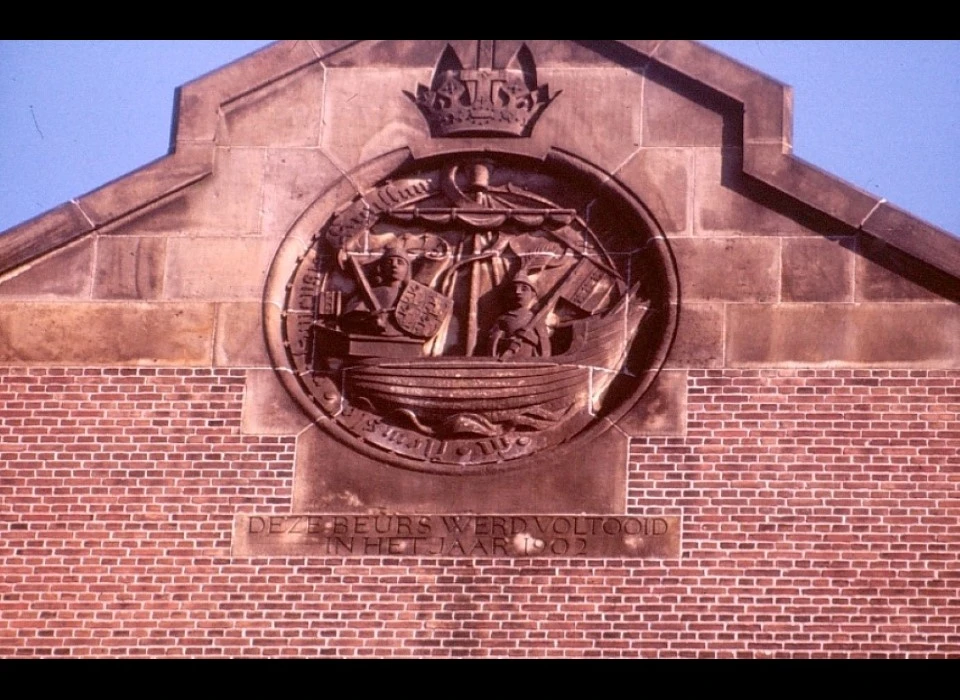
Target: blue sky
[(883, 115)]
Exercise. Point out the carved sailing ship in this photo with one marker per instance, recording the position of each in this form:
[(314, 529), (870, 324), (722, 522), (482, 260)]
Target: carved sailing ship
[(432, 345), (483, 304)]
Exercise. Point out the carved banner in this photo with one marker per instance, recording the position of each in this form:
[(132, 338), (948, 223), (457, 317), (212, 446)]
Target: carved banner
[(473, 536)]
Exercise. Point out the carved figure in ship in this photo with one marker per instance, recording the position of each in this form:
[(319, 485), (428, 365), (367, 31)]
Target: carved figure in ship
[(372, 310), (520, 332), (472, 309)]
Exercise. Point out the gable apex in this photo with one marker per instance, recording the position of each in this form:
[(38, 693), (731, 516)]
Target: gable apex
[(766, 106)]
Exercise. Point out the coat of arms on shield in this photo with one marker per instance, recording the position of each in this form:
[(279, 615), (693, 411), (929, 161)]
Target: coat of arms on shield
[(421, 311)]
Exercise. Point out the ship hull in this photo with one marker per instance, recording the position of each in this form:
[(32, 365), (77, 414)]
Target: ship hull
[(433, 389)]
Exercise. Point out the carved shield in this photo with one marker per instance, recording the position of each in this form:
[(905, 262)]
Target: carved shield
[(421, 311)]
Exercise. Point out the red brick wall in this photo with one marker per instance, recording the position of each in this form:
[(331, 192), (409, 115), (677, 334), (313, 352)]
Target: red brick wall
[(819, 510)]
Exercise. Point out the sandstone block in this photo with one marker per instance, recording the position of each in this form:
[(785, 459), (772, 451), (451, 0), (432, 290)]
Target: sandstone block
[(268, 408), (887, 274), (332, 478), (366, 113), (767, 111), (217, 268), (726, 201), (287, 112), (574, 53), (293, 179), (914, 237), (917, 335), (807, 183), (63, 273), (728, 269), (392, 54), (592, 96), (677, 112), (199, 101), (228, 201), (699, 340), (40, 234), (106, 333), (817, 269), (662, 410), (239, 336), (189, 165), (129, 267), (661, 177)]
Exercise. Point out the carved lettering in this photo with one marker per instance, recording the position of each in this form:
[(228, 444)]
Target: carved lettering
[(459, 535)]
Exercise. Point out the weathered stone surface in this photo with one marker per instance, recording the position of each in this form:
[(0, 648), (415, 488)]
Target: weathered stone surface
[(817, 269), (226, 202), (727, 201), (575, 53), (367, 114), (662, 179), (164, 178), (62, 273), (41, 234), (284, 113), (767, 111), (397, 53), (914, 237), (699, 341), (292, 180), (217, 268), (129, 267), (706, 65), (592, 96), (239, 339), (678, 112), (200, 100), (766, 104), (470, 536), (268, 408), (662, 410), (728, 269), (887, 274), (917, 335), (106, 333), (767, 162), (333, 478)]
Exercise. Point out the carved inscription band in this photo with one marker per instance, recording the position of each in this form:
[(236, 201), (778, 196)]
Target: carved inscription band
[(474, 536)]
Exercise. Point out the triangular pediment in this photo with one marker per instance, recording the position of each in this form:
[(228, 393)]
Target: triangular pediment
[(295, 86)]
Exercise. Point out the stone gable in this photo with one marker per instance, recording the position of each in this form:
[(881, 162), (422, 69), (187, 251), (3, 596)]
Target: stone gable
[(180, 430)]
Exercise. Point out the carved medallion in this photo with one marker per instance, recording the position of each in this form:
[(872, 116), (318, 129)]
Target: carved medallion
[(468, 312)]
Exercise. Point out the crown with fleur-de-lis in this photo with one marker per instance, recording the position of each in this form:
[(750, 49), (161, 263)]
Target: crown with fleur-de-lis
[(484, 101)]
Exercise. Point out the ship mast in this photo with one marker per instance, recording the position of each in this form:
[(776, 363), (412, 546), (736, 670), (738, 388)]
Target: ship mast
[(479, 183)]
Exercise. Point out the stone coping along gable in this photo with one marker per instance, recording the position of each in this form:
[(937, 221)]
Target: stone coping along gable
[(767, 150)]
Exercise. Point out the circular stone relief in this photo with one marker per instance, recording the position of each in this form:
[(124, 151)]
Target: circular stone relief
[(468, 312)]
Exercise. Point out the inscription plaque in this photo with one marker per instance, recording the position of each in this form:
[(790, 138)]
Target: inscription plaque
[(559, 536)]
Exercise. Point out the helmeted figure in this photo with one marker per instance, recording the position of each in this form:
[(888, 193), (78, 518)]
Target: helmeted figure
[(518, 332), (372, 310)]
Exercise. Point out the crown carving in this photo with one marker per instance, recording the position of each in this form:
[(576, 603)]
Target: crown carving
[(485, 101)]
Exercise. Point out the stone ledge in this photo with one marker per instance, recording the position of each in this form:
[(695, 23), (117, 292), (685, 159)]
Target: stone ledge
[(857, 335), (158, 180), (42, 234), (107, 333), (768, 163), (914, 236)]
